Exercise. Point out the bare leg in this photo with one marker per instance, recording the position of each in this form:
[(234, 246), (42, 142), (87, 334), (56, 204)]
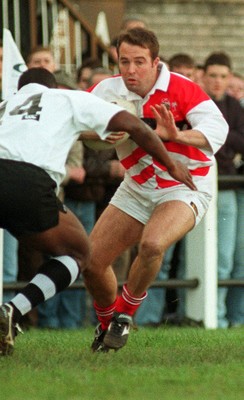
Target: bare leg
[(169, 223), (67, 238), (113, 233)]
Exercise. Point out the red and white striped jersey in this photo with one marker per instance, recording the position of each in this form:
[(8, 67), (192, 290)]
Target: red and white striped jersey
[(192, 109)]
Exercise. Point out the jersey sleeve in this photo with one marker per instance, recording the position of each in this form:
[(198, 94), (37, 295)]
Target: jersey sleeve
[(207, 118), (203, 114), (92, 113)]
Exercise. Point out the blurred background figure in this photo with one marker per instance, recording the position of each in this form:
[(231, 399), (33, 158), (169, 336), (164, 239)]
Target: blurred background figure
[(198, 75), (236, 87), (84, 72), (100, 73), (183, 64), (41, 57), (217, 77)]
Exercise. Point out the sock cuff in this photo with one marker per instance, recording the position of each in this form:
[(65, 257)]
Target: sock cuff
[(71, 265), (105, 311), (129, 298)]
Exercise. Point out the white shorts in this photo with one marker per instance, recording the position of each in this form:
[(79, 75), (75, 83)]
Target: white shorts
[(140, 204)]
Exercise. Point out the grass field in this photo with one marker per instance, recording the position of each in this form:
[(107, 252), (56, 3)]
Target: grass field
[(156, 364)]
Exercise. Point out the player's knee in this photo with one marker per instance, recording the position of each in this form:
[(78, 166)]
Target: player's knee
[(150, 249)]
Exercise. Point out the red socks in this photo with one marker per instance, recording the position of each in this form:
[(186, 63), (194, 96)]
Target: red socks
[(104, 314), (127, 303)]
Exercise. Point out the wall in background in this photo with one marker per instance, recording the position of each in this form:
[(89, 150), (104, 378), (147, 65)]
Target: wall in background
[(196, 27)]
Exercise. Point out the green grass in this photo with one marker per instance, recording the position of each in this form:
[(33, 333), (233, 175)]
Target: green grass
[(156, 364)]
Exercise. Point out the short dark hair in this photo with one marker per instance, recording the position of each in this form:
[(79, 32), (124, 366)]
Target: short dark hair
[(140, 37), (37, 75), (87, 63), (218, 58), (181, 59)]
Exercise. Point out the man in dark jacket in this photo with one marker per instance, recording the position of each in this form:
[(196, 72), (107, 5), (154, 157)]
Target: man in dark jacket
[(230, 222)]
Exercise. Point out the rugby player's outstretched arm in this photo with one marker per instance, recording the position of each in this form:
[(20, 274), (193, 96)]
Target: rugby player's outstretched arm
[(149, 141)]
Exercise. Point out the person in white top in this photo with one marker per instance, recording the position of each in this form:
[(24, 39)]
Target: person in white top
[(150, 207), (38, 126)]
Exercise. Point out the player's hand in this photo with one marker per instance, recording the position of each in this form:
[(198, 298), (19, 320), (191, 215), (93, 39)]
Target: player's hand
[(180, 172), (113, 137), (166, 128)]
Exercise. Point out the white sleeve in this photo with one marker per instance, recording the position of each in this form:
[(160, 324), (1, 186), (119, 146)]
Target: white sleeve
[(93, 113), (208, 119)]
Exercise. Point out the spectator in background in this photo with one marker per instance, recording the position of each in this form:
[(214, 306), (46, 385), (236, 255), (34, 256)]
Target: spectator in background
[(198, 75), (216, 79), (10, 244), (98, 74), (235, 301), (183, 64), (41, 57), (236, 87), (84, 72)]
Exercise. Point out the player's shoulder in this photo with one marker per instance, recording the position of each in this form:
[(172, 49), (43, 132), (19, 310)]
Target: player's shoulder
[(180, 82), (70, 94)]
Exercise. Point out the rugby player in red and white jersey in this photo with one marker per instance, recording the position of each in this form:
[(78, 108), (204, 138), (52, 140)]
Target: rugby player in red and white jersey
[(150, 208), (38, 126)]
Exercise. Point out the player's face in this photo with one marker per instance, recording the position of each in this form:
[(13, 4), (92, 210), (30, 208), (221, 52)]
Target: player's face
[(138, 70), (216, 80)]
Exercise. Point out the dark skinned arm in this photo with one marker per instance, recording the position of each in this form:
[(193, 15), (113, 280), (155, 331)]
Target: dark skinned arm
[(151, 143)]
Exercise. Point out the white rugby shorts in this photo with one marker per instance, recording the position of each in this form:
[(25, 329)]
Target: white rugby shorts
[(140, 204)]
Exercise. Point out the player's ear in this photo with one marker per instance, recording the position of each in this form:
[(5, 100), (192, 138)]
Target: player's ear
[(156, 61)]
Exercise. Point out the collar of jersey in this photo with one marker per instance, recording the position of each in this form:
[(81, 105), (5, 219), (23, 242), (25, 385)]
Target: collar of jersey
[(162, 82)]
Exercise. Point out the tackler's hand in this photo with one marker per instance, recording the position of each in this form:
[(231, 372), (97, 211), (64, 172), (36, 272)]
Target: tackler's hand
[(180, 172)]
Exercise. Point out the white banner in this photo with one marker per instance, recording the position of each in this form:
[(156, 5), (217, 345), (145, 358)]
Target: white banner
[(13, 65)]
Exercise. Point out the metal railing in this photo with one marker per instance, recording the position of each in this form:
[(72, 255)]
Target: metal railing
[(169, 284)]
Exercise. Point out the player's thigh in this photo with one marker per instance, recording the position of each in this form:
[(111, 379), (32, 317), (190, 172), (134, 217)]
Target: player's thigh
[(68, 237), (169, 222), (113, 233)]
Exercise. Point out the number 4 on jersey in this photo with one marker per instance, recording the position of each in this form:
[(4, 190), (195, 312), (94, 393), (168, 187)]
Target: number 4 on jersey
[(30, 108)]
